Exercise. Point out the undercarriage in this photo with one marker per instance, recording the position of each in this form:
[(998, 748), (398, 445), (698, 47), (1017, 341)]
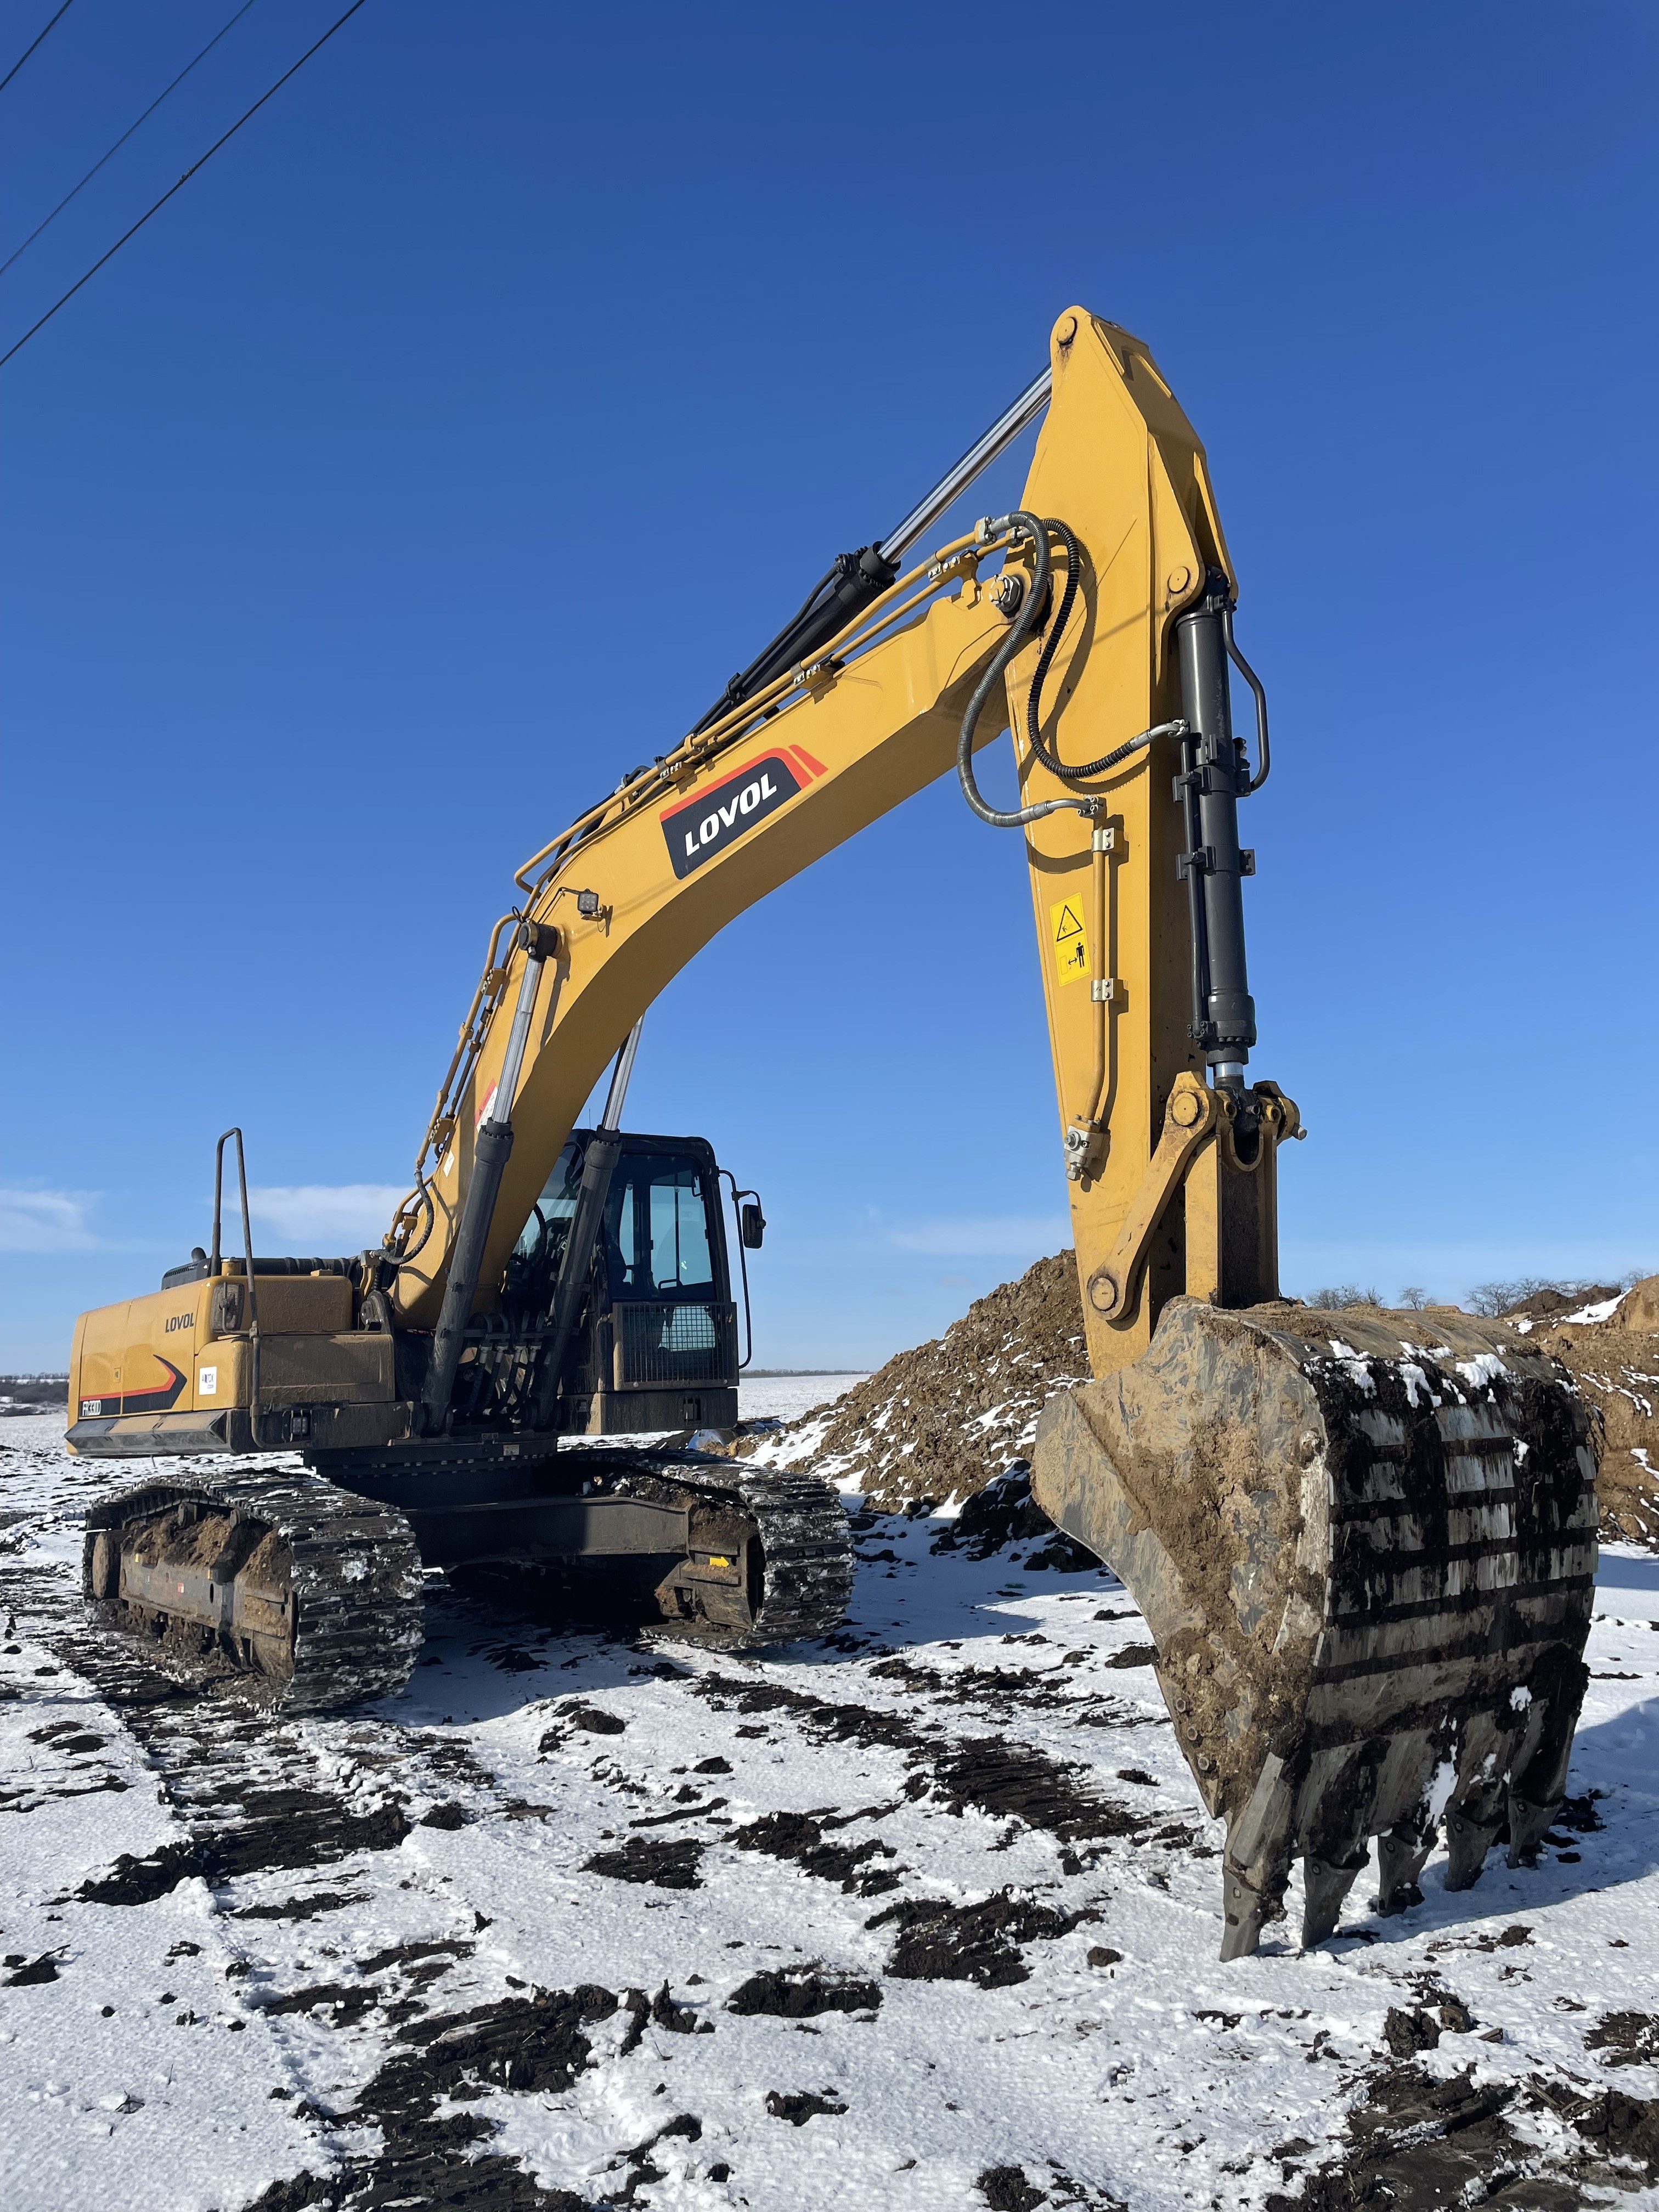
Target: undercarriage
[(313, 1583)]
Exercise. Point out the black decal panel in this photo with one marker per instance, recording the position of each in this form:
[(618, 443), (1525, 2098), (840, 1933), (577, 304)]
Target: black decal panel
[(156, 1401), (717, 817)]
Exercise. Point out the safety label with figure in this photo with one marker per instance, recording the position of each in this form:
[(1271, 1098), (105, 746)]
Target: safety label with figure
[(1069, 938)]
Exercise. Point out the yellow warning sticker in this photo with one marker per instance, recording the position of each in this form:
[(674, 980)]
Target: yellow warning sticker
[(1069, 938)]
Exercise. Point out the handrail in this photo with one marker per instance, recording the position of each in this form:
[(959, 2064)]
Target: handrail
[(247, 1262)]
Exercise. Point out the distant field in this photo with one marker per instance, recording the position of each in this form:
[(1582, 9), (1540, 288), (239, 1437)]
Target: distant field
[(786, 1397)]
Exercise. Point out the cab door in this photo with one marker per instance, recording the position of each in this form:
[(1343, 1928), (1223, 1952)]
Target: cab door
[(674, 1323)]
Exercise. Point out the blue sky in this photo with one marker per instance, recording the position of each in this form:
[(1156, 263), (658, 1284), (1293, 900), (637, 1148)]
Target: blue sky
[(436, 455)]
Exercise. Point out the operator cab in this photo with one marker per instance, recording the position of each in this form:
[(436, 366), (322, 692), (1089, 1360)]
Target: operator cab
[(656, 1347)]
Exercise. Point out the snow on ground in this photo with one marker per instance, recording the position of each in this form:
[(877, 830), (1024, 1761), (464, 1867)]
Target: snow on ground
[(923, 1917), (787, 1397)]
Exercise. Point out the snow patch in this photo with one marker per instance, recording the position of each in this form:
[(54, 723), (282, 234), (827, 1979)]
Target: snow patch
[(1416, 1380), (1358, 1367), (1440, 1789), (1485, 1369)]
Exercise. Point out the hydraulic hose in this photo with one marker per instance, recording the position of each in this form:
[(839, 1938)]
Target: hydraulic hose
[(1066, 772), (1018, 525), (1023, 525)]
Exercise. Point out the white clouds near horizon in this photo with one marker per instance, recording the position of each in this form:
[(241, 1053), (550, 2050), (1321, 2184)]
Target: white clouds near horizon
[(47, 1221), (321, 1215), (349, 1215)]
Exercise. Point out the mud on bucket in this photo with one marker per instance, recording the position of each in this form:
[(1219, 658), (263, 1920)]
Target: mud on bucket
[(1367, 1564)]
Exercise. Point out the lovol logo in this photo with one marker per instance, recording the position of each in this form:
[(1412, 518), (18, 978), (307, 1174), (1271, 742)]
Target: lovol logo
[(702, 826)]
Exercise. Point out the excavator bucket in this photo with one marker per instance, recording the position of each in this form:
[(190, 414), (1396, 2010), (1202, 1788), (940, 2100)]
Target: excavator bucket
[(1364, 1544)]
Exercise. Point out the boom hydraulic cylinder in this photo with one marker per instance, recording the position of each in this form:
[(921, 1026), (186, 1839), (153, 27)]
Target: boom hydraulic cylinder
[(598, 1166), (1214, 775), (491, 1145)]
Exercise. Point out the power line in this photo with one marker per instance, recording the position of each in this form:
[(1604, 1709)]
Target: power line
[(125, 136), (28, 50), (184, 179)]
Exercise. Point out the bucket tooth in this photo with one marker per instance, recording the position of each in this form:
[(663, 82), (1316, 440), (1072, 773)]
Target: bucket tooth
[(1335, 1813), (1324, 1885), (1538, 1774), (1529, 1825), (1401, 1856), (1468, 1842), (1243, 1911), (1257, 1862), (1352, 1572)]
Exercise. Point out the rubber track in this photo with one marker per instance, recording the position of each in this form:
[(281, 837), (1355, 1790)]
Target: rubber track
[(356, 1570), (805, 1536)]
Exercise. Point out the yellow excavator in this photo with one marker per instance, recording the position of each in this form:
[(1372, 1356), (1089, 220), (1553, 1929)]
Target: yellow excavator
[(1366, 1558)]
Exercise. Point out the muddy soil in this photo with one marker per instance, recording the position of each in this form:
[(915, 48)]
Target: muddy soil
[(289, 1828), (803, 1993), (535, 2043), (797, 2107), (1017, 1782), (1615, 1363), (800, 1837), (1419, 2144), (1628, 2038), (940, 1942), (942, 1421), (662, 1863)]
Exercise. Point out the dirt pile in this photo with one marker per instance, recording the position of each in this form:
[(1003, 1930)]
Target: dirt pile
[(1610, 1345), (943, 1421)]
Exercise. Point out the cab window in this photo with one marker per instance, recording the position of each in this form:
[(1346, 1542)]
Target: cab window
[(657, 1228), (541, 1238)]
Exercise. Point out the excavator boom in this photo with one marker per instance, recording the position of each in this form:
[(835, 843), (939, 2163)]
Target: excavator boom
[(1137, 998)]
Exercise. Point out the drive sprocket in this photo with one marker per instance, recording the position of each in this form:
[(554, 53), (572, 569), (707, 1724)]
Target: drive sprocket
[(771, 1556)]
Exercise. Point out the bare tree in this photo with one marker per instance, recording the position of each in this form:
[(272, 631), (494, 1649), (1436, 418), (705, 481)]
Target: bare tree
[(1494, 1299), (1414, 1297), (1336, 1296)]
